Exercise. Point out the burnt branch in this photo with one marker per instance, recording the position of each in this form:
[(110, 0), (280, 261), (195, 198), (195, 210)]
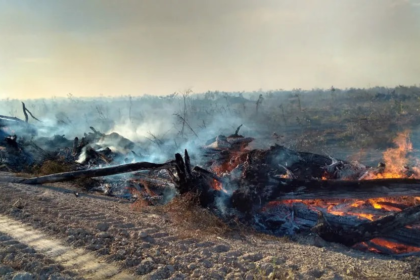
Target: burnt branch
[(187, 163), (208, 173), (237, 130), (107, 171), (156, 140), (100, 134), (32, 115), (25, 111), (184, 122)]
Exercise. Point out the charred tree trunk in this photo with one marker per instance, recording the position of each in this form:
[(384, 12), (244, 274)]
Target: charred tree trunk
[(350, 235), (76, 146), (324, 189), (196, 180), (342, 189), (305, 218)]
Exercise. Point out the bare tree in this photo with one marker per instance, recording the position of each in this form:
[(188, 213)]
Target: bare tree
[(259, 101)]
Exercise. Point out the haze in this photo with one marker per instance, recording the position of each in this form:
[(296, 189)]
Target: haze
[(112, 48)]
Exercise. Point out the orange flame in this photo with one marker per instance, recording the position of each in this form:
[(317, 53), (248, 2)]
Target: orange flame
[(235, 158), (396, 160), (375, 203), (218, 186), (362, 209), (396, 248), (370, 209)]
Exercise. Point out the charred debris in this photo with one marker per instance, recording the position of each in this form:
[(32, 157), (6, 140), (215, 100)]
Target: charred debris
[(277, 190)]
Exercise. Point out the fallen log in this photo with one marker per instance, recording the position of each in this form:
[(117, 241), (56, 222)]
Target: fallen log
[(99, 172), (6, 120), (186, 180), (350, 235), (304, 219), (324, 189)]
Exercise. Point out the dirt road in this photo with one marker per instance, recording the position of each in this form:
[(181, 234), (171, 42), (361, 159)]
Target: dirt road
[(48, 233)]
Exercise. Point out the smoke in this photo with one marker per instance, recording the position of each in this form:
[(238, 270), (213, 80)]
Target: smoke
[(158, 127), (82, 156)]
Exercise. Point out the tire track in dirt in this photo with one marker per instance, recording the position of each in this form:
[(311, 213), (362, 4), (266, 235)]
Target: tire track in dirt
[(77, 260)]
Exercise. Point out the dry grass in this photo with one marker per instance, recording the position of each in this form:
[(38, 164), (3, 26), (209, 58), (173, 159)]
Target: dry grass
[(141, 204), (46, 168), (184, 211), (193, 219), (51, 167)]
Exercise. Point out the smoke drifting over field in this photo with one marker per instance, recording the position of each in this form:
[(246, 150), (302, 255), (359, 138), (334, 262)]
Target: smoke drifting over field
[(155, 123), (318, 120)]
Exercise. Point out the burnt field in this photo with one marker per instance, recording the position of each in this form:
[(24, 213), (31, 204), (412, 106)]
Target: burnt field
[(331, 166)]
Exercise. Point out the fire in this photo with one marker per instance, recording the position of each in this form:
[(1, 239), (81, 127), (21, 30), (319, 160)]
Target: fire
[(339, 208), (218, 186), (395, 165), (395, 247), (396, 160), (376, 203), (235, 158), (358, 215), (370, 209)]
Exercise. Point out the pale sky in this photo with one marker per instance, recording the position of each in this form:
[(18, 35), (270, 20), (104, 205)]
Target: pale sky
[(120, 47)]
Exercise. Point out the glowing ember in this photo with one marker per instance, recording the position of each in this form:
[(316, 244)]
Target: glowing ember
[(235, 158), (395, 247), (218, 186), (376, 204), (370, 209)]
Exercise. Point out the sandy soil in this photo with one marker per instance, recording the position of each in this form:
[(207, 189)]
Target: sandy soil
[(46, 232)]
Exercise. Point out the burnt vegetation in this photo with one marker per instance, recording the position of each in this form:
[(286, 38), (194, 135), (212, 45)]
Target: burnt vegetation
[(285, 163)]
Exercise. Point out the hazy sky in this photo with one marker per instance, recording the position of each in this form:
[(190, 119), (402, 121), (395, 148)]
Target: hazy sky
[(118, 47)]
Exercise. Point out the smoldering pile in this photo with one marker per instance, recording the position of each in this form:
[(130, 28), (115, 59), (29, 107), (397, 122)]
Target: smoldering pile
[(231, 180)]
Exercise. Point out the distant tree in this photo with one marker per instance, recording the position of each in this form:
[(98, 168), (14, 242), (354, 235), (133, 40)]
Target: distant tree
[(259, 101)]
